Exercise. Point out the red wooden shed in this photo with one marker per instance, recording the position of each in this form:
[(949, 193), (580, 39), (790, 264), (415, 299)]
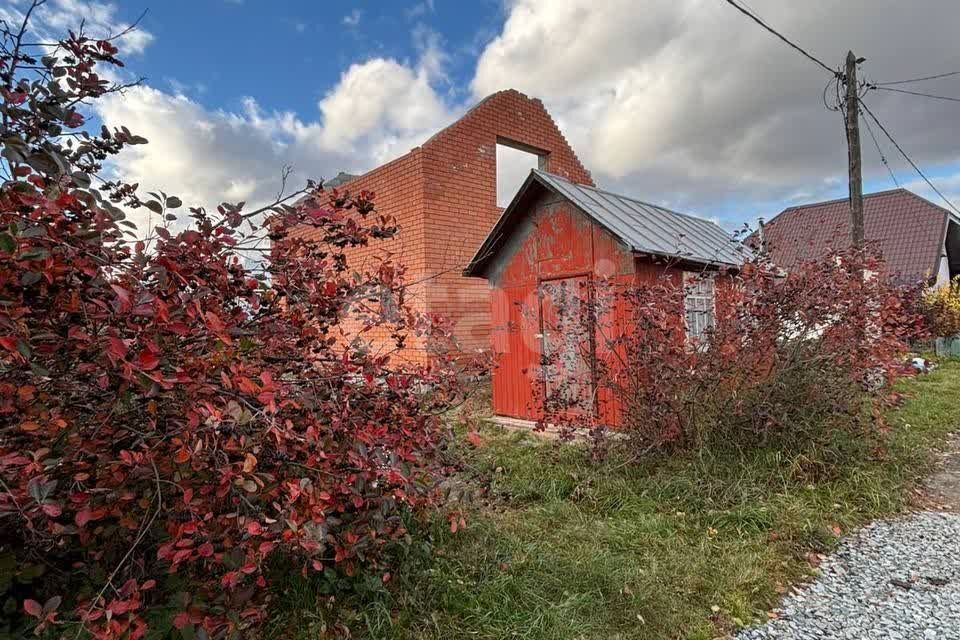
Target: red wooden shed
[(554, 238)]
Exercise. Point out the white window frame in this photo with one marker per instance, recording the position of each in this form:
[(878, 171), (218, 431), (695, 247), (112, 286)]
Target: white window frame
[(700, 302)]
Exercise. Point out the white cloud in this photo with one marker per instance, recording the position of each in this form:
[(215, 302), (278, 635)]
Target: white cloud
[(690, 102), (376, 96), (513, 167), (378, 110), (685, 103), (420, 9), (183, 88), (352, 19), (948, 185), (100, 20)]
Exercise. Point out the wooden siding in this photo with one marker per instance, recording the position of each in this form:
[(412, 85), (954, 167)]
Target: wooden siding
[(555, 241)]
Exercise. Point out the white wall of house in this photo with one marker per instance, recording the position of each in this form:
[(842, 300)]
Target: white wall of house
[(943, 272)]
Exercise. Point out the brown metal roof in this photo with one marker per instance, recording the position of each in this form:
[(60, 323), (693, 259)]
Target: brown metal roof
[(907, 230)]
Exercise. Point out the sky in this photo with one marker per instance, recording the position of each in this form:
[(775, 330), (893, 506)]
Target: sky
[(685, 103)]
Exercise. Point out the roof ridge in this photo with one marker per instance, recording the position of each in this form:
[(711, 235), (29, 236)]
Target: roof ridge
[(641, 226), (950, 214), (631, 198), (808, 205)]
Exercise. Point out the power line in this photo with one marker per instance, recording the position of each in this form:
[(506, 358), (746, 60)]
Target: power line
[(883, 158), (915, 93), (906, 157), (782, 37), (939, 75), (865, 87)]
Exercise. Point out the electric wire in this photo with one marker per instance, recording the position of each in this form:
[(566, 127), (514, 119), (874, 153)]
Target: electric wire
[(782, 37), (907, 157)]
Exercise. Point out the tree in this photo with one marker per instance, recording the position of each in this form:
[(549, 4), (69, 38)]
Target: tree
[(942, 306), (172, 418)]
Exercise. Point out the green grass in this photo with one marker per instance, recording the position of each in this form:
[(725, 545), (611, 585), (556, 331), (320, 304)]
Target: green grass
[(684, 547)]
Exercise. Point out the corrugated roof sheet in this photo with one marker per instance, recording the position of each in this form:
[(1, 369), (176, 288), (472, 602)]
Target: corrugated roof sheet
[(648, 228), (907, 230), (645, 228)]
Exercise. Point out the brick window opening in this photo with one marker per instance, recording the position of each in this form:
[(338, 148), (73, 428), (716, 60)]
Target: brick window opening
[(699, 305), (513, 167)]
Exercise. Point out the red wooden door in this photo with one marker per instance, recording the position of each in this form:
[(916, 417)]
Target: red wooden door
[(567, 344)]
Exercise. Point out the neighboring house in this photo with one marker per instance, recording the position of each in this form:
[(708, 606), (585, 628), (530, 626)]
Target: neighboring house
[(444, 197), (554, 238), (919, 241)]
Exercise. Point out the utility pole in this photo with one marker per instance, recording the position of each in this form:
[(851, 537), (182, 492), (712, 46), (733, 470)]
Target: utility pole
[(853, 152)]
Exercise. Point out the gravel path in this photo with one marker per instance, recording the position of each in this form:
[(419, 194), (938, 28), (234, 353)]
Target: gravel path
[(892, 580), (941, 491)]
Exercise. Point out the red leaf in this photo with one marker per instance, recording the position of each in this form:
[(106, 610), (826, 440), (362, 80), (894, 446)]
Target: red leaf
[(214, 323), (254, 528), (116, 347), (33, 608), (474, 438), (52, 509), (29, 426), (83, 516), (179, 328), (181, 620), (9, 343), (122, 295), (181, 456), (148, 360)]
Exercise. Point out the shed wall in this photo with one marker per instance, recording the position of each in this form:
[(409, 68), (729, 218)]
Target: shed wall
[(553, 241)]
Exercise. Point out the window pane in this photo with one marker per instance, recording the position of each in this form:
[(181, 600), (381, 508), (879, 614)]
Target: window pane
[(699, 304)]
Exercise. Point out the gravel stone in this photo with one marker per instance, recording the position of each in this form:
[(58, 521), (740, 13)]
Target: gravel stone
[(892, 579)]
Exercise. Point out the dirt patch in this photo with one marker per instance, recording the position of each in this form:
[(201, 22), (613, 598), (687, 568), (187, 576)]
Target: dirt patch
[(942, 489)]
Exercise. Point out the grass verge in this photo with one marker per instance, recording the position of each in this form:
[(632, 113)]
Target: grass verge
[(685, 547)]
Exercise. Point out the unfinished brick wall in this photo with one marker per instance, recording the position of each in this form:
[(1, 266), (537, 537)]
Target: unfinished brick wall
[(460, 182), (398, 186), (444, 196)]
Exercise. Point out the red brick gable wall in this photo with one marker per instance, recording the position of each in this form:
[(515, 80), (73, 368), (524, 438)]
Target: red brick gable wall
[(460, 182), (444, 196)]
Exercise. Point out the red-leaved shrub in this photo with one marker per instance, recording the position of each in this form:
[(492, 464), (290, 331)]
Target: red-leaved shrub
[(172, 415), (787, 355)]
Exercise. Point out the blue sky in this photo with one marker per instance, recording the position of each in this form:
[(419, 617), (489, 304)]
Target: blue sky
[(680, 102), (288, 54)]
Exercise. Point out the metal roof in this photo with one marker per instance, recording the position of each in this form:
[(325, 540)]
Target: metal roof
[(908, 231), (643, 227)]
